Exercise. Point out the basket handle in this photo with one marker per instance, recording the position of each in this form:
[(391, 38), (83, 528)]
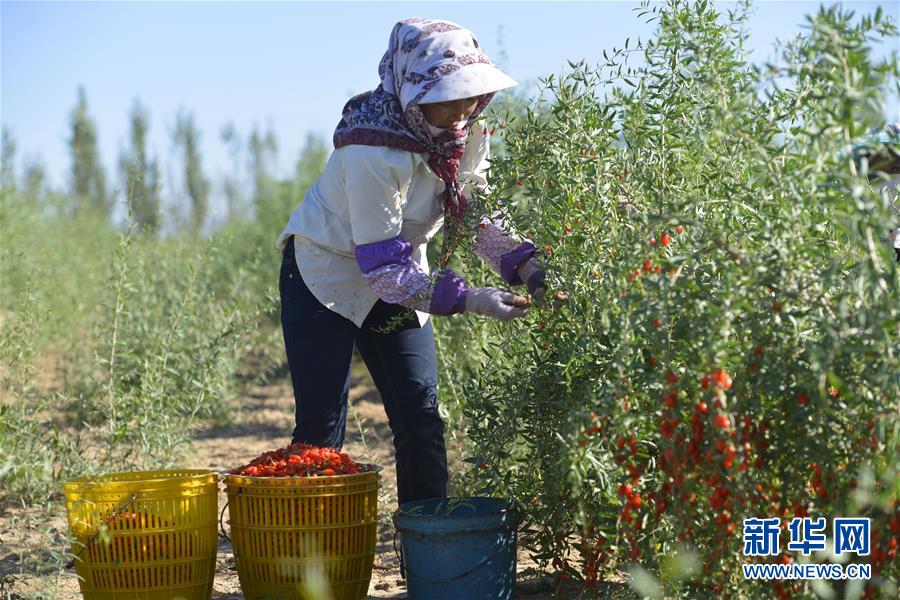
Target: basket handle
[(222, 515), (399, 554), (222, 524)]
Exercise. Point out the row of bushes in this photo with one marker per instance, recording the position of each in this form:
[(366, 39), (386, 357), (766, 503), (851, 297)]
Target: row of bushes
[(115, 346)]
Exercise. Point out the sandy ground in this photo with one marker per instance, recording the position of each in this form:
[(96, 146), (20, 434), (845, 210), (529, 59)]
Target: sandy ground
[(266, 424)]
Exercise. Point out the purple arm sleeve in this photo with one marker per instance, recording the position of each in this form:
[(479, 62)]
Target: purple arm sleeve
[(388, 267), (500, 252)]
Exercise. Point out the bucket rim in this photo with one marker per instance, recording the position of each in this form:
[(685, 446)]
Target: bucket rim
[(505, 506)]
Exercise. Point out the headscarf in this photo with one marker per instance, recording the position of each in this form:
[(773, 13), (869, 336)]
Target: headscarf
[(426, 61)]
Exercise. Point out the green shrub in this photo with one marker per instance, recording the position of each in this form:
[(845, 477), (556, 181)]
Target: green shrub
[(730, 346)]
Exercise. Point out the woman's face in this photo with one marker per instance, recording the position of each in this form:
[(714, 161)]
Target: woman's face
[(452, 113)]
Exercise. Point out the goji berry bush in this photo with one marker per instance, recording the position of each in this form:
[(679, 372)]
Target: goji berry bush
[(730, 345)]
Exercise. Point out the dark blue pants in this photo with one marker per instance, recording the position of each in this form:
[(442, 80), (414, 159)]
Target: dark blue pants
[(319, 345)]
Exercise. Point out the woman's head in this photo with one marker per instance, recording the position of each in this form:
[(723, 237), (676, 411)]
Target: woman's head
[(435, 81), (440, 64)]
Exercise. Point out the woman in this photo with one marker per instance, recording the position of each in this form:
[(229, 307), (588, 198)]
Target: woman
[(354, 266)]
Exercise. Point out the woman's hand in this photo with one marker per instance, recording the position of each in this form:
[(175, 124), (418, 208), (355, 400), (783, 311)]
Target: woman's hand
[(496, 303), (534, 278)]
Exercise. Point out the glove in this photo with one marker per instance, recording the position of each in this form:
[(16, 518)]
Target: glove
[(496, 303), (534, 277)]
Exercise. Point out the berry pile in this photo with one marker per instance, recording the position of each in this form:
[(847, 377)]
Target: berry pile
[(301, 460)]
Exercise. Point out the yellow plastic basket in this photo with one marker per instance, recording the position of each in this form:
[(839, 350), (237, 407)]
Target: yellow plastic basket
[(144, 535), (282, 525)]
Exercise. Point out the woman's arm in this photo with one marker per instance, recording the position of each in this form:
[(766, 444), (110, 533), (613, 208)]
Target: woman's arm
[(501, 252), (377, 180), (388, 267)]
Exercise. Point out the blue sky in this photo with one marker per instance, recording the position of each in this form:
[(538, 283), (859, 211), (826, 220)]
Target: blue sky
[(288, 65)]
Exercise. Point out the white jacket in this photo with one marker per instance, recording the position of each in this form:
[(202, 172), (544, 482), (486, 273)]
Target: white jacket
[(368, 194)]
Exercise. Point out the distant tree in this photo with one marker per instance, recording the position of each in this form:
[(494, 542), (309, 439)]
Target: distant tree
[(501, 58), (34, 179), (187, 138), (231, 181), (509, 104), (263, 153), (311, 162), (88, 182), (8, 161), (140, 175)]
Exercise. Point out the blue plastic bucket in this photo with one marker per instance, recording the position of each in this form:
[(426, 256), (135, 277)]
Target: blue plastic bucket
[(461, 548)]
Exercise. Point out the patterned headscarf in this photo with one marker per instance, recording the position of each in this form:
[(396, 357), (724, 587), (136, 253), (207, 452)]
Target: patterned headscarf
[(426, 61)]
